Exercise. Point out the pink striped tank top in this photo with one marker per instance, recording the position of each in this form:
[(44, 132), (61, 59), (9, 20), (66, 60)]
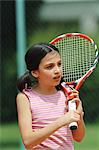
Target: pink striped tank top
[(45, 109)]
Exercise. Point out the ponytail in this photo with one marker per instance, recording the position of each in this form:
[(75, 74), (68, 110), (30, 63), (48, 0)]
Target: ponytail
[(25, 81)]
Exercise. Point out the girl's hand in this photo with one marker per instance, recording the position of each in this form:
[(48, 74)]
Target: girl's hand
[(74, 96), (69, 117)]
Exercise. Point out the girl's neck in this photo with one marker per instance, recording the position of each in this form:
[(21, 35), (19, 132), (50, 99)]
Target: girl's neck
[(45, 91)]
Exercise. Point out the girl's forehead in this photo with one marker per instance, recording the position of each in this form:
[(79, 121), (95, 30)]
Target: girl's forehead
[(51, 56)]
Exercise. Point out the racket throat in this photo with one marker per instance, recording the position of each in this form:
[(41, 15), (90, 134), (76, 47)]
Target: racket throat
[(80, 81)]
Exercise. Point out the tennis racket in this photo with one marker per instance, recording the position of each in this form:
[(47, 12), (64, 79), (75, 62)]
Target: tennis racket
[(79, 56)]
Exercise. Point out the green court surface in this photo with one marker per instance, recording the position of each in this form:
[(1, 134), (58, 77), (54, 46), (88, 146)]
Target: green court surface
[(10, 138)]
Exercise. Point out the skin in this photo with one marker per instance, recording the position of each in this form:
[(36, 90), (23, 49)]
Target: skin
[(49, 75)]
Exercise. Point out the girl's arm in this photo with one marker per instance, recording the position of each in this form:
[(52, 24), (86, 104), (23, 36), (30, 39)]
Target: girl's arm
[(32, 138)]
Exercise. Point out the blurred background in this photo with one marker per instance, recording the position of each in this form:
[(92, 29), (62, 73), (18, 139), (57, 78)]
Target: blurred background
[(26, 22)]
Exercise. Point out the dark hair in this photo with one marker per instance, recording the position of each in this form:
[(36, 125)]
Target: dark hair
[(33, 58)]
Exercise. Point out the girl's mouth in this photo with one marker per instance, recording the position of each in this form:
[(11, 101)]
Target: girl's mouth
[(57, 77)]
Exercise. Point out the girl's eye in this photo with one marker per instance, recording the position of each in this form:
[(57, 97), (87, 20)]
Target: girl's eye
[(49, 67), (59, 64)]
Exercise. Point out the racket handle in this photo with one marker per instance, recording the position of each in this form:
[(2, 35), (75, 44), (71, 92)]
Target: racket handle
[(73, 126), (72, 106)]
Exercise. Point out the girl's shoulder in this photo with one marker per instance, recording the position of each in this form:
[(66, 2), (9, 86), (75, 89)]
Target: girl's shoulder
[(23, 105), (20, 96)]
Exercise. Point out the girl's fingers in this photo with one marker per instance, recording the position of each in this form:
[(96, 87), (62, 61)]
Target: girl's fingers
[(77, 101), (72, 96)]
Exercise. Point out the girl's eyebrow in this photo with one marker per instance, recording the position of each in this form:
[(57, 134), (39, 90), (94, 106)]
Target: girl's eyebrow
[(51, 63)]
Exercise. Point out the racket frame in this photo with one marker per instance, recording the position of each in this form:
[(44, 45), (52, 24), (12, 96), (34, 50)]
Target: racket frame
[(78, 83)]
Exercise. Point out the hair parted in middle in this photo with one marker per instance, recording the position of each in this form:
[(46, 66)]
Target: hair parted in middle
[(33, 57), (36, 53)]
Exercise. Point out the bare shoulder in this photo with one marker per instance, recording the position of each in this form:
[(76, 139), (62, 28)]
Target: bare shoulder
[(23, 106), (21, 96), (24, 113), (21, 99)]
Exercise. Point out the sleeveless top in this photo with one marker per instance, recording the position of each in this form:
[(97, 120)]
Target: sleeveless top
[(45, 109)]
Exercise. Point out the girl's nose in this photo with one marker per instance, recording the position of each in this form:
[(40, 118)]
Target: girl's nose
[(57, 69)]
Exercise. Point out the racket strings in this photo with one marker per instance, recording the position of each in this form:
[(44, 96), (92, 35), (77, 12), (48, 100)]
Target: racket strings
[(77, 55)]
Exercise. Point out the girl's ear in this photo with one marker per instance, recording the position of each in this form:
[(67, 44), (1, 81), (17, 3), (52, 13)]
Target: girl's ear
[(34, 73)]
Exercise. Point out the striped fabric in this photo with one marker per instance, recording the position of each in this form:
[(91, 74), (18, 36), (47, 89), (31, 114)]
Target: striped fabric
[(46, 109)]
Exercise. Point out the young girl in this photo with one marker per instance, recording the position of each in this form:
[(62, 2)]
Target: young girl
[(41, 104)]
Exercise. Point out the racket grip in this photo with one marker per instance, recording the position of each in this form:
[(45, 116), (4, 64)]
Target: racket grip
[(72, 106)]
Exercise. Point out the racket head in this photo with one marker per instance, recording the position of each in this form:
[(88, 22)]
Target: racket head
[(79, 55)]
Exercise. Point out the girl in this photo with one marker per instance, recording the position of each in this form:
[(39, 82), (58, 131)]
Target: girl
[(42, 106)]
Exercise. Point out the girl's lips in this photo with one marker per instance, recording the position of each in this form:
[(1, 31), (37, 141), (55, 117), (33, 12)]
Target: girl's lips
[(57, 77)]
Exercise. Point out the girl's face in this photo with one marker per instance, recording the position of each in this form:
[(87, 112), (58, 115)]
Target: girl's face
[(50, 71)]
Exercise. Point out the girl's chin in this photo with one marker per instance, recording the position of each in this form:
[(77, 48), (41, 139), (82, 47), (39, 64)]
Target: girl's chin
[(57, 82)]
